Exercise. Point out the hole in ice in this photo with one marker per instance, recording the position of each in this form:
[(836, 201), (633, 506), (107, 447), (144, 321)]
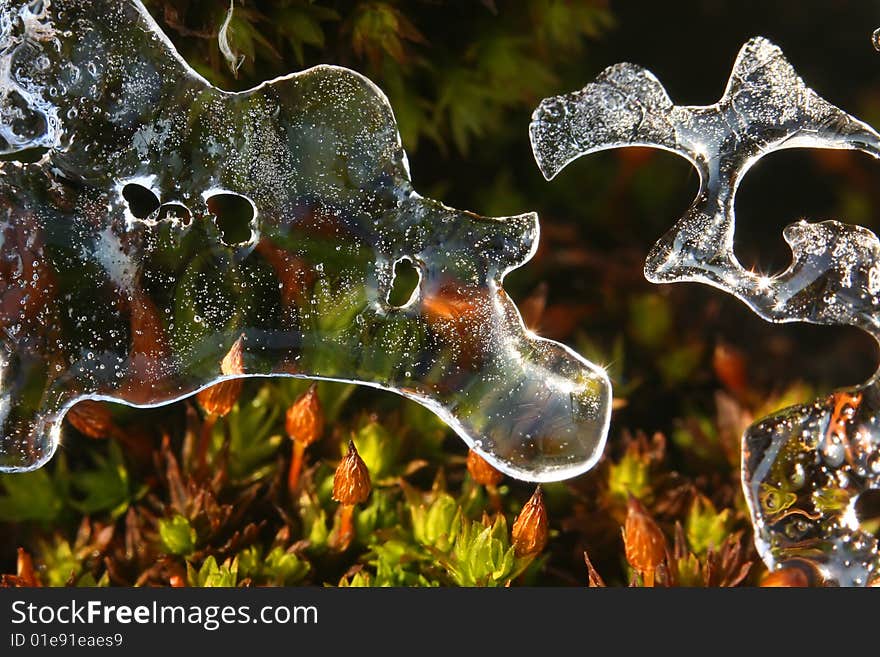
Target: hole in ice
[(22, 125), (142, 202), (404, 283), (789, 185), (867, 509), (26, 156), (176, 211), (234, 214)]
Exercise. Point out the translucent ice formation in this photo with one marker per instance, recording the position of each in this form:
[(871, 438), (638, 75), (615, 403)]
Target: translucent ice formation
[(149, 221), (811, 473)]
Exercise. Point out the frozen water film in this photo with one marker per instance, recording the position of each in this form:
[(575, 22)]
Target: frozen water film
[(811, 473), (151, 221)]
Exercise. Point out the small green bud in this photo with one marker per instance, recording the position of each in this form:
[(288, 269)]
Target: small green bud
[(177, 535), (705, 527), (630, 476), (482, 555), (435, 525), (210, 575)]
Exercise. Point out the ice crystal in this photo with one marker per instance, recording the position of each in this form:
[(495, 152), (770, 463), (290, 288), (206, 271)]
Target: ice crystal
[(151, 221), (811, 473)]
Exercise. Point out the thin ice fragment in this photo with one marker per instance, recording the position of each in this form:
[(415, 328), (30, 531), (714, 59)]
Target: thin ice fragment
[(811, 473), (234, 61), (165, 220)]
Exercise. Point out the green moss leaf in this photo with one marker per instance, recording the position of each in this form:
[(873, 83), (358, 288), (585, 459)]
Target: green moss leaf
[(705, 527), (210, 575), (177, 535), (278, 568), (105, 487), (30, 496), (436, 524)]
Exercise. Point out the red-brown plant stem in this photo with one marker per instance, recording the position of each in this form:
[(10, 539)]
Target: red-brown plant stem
[(205, 440), (346, 527), (296, 463)]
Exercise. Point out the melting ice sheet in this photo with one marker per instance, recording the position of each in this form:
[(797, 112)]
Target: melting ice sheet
[(811, 473), (166, 219)]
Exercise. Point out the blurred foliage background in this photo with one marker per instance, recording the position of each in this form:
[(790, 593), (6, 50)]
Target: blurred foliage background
[(178, 495)]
